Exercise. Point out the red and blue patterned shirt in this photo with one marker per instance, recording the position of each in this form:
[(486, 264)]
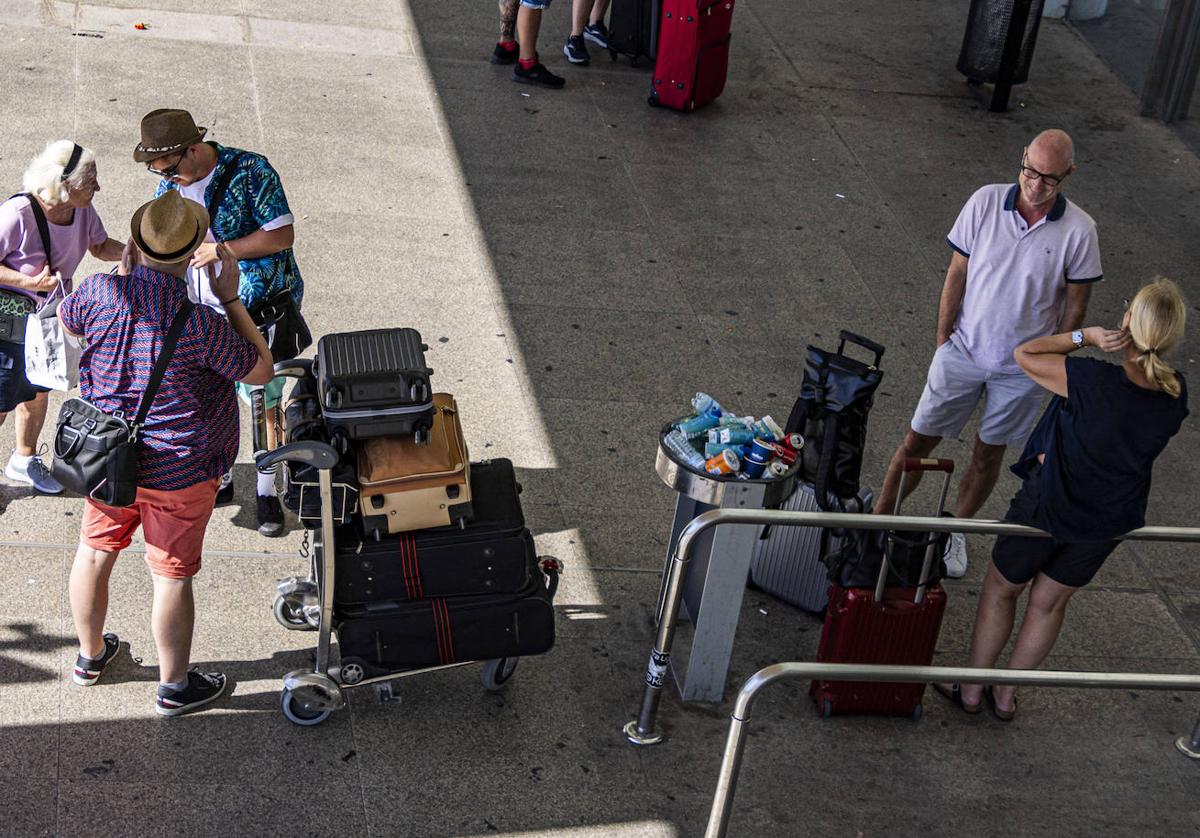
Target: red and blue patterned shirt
[(191, 431)]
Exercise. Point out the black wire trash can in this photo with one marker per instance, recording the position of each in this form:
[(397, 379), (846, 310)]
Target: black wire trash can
[(998, 44)]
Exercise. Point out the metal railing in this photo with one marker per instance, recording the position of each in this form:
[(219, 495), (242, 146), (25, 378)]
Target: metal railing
[(731, 762), (642, 730)]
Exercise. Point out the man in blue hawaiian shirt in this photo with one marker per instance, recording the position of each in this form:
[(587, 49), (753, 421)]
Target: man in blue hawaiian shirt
[(251, 218)]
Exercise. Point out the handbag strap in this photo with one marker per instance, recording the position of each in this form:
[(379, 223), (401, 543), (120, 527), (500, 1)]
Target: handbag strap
[(39, 218), (221, 187), (160, 365)]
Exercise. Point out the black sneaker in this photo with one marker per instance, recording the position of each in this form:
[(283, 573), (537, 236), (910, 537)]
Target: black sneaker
[(270, 516), (576, 51), (202, 688), (597, 33), (537, 74), (87, 671), (225, 492), (503, 55)]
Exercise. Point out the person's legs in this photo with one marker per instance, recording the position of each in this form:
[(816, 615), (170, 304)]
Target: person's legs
[(993, 626), (25, 465), (599, 7), (1039, 631), (529, 70), (508, 20), (977, 482), (580, 10), (913, 445), (87, 587), (171, 620), (31, 416)]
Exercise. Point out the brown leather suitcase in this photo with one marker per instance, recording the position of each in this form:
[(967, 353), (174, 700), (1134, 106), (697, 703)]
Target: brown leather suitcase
[(406, 486)]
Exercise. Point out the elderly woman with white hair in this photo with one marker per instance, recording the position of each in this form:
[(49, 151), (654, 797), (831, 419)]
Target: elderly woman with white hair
[(44, 233)]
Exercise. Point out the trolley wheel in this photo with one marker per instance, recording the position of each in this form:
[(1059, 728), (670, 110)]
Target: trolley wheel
[(917, 713), (495, 673), (826, 709), (289, 613), (352, 671), (652, 100), (298, 714)]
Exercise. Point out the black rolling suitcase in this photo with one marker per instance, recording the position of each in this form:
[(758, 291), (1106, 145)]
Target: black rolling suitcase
[(633, 28), (374, 383), (444, 631)]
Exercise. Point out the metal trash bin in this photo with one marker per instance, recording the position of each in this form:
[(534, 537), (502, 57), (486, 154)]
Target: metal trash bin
[(991, 50)]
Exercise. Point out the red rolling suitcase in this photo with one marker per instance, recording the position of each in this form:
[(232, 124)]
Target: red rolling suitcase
[(892, 625), (693, 53)]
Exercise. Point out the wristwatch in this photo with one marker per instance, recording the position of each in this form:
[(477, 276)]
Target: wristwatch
[(1077, 338)]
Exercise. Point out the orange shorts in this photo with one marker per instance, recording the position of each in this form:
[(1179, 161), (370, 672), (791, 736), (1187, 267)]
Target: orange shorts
[(173, 523)]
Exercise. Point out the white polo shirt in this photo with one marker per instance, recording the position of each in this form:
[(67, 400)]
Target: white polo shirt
[(1017, 274)]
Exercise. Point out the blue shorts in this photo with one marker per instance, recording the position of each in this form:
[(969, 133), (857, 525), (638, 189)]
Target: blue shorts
[(14, 386), (536, 4), (272, 391)]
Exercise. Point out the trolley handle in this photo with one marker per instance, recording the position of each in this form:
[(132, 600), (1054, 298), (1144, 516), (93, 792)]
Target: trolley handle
[(320, 455), (871, 346), (912, 464), (295, 368)]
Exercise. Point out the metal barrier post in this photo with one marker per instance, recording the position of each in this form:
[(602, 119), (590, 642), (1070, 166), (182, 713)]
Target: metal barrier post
[(642, 731), (731, 761), (1189, 746)]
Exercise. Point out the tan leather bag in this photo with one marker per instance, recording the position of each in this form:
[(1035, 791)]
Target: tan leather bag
[(406, 486)]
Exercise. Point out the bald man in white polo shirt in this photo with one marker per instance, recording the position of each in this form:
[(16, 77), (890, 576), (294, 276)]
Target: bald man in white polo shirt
[(1023, 265)]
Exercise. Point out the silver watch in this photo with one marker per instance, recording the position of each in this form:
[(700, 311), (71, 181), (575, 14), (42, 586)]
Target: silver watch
[(1077, 338)]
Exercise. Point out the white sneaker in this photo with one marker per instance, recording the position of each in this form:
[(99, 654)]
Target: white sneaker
[(35, 474), (955, 556)]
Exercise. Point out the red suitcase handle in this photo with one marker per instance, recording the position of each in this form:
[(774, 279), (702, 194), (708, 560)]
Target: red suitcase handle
[(912, 464)]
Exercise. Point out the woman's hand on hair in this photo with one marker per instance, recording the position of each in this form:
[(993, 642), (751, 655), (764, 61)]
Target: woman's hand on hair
[(1108, 340), (206, 254), (129, 259)]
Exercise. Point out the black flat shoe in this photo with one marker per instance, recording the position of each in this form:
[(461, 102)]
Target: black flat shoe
[(953, 694)]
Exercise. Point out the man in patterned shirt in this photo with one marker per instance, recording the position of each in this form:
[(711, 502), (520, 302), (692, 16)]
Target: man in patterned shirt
[(253, 221)]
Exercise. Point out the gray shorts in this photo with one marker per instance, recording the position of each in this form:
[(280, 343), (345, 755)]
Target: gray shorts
[(954, 388)]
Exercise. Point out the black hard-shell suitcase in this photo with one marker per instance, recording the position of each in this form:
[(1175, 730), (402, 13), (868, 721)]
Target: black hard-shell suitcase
[(374, 383), (633, 28), (448, 630)]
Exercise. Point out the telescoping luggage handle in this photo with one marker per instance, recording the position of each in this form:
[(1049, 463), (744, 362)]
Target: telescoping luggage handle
[(914, 465), (845, 337)]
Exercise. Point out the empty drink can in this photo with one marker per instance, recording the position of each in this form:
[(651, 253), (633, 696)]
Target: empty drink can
[(777, 468), (724, 463), (787, 455), (794, 442)]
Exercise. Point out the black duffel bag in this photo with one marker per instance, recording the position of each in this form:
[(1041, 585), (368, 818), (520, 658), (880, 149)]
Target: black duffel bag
[(279, 319), (862, 553), (95, 453), (304, 422), (836, 395)]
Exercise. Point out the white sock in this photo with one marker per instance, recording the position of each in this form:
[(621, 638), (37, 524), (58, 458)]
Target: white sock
[(19, 460), (266, 485), (182, 685)]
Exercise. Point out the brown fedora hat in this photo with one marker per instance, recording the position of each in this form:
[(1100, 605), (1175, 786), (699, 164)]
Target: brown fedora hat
[(169, 228), (166, 131)]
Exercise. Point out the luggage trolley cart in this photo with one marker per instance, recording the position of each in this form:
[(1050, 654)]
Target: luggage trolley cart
[(310, 695)]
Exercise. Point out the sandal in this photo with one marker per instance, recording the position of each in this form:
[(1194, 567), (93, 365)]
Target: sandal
[(1002, 715), (953, 694)]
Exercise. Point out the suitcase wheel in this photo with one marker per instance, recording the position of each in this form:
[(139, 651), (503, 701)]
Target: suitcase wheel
[(917, 712), (826, 708), (297, 713), (495, 673), (652, 100)]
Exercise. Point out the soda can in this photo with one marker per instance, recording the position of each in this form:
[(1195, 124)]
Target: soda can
[(794, 442), (753, 466), (737, 436), (787, 455), (696, 425), (777, 468), (724, 463)]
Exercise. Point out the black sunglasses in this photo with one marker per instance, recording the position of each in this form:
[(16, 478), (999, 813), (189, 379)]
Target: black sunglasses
[(167, 173)]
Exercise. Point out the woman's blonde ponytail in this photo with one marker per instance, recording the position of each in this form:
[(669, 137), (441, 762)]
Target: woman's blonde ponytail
[(1157, 317)]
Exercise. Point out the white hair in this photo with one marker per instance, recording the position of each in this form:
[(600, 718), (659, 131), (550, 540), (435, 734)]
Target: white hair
[(43, 177)]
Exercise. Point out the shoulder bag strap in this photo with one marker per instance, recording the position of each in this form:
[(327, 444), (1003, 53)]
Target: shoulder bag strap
[(43, 227), (160, 364), (222, 186)]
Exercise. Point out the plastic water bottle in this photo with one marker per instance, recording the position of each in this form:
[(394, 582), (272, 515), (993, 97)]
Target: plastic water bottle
[(704, 403), (698, 425), (677, 443)]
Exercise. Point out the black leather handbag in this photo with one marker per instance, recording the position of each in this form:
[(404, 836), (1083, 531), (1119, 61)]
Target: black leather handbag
[(95, 453), (279, 319)]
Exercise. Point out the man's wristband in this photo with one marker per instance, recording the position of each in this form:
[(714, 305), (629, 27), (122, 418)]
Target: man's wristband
[(230, 300)]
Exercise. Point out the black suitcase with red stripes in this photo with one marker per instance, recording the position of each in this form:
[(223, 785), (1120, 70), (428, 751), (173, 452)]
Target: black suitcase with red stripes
[(448, 630), (489, 555)]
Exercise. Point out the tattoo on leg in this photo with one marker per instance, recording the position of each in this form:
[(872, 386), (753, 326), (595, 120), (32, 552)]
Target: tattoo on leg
[(508, 19)]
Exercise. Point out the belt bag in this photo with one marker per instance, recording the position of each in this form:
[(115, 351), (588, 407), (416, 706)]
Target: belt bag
[(12, 327), (95, 453)]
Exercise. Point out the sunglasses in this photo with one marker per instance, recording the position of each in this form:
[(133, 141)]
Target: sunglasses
[(167, 173)]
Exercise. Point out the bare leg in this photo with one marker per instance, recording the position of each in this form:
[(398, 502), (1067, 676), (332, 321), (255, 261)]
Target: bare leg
[(579, 16), (1039, 630), (598, 10), (914, 445), (88, 590), (31, 416), (529, 21), (171, 621), (508, 20), (993, 626), (980, 478)]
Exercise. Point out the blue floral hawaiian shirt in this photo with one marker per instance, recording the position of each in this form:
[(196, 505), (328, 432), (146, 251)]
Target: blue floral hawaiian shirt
[(254, 198)]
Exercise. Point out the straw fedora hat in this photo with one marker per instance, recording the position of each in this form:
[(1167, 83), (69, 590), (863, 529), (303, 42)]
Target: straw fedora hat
[(169, 228), (166, 131)]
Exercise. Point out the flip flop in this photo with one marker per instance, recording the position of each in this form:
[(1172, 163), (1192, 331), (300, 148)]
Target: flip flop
[(1002, 715), (953, 694)]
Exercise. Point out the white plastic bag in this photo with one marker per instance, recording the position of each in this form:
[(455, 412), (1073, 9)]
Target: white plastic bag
[(51, 354)]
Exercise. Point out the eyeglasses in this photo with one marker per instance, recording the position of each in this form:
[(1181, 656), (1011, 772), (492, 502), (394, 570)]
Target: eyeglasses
[(167, 173), (1034, 174)]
